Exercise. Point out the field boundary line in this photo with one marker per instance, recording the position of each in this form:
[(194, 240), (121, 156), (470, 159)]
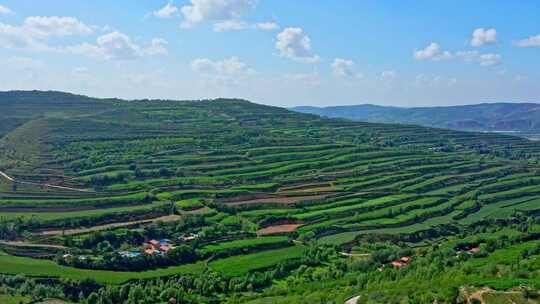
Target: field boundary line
[(9, 178)]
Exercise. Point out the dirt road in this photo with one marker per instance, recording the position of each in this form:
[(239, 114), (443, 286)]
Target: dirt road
[(9, 178), (24, 244)]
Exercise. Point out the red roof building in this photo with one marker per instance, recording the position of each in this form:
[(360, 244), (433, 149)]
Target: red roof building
[(474, 250), (406, 259), (165, 248), (154, 243), (397, 263)]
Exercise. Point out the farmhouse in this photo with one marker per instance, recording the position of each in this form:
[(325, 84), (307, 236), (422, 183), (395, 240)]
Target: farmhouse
[(406, 259), (153, 243), (473, 250), (188, 237), (151, 251), (165, 248), (403, 261), (152, 247), (397, 263)]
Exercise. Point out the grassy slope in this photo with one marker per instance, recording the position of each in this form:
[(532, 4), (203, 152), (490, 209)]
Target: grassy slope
[(240, 265), (45, 268)]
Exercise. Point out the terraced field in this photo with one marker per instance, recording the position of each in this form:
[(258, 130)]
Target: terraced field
[(232, 172)]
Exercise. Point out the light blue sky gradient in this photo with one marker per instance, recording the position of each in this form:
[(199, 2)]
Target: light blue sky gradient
[(358, 52)]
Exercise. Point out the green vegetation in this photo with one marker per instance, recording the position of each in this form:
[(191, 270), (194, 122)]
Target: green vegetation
[(257, 204), (242, 264), (243, 245), (45, 268)]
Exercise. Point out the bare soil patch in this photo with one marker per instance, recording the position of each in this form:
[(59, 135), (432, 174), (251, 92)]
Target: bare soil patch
[(284, 228), (252, 196)]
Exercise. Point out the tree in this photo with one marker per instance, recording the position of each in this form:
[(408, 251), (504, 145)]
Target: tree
[(136, 294), (164, 172), (104, 246), (182, 254), (93, 298)]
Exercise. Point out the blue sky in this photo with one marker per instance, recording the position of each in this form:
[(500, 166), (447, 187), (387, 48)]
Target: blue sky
[(284, 53)]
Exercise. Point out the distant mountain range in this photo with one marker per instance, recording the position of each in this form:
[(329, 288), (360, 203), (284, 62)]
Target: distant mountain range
[(504, 117)]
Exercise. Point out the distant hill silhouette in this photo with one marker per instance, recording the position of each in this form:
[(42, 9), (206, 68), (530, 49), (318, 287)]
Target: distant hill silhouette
[(522, 117)]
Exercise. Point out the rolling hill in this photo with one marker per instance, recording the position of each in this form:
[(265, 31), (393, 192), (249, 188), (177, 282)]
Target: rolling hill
[(257, 204), (507, 117)]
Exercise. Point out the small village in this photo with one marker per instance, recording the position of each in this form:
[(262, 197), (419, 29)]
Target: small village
[(150, 247), (159, 247)]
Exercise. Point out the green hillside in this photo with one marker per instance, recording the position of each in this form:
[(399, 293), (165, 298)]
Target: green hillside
[(261, 205)]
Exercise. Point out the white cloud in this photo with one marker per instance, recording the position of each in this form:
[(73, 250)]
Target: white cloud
[(432, 52), (225, 14), (35, 31), (230, 66), (293, 43), (55, 26), (230, 71), (529, 42), (489, 59), (237, 25), (158, 46), (267, 26), (468, 56), (230, 25), (344, 68), (19, 38), (4, 10), (482, 59), (482, 36), (167, 11), (215, 10), (118, 46)]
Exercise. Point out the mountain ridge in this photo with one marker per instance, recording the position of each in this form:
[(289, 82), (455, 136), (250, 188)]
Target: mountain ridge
[(501, 116)]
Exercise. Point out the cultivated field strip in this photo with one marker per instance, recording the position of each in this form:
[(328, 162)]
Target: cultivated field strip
[(254, 171)]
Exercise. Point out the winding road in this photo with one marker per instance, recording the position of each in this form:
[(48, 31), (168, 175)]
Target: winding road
[(353, 300), (7, 176), (11, 179), (25, 244)]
